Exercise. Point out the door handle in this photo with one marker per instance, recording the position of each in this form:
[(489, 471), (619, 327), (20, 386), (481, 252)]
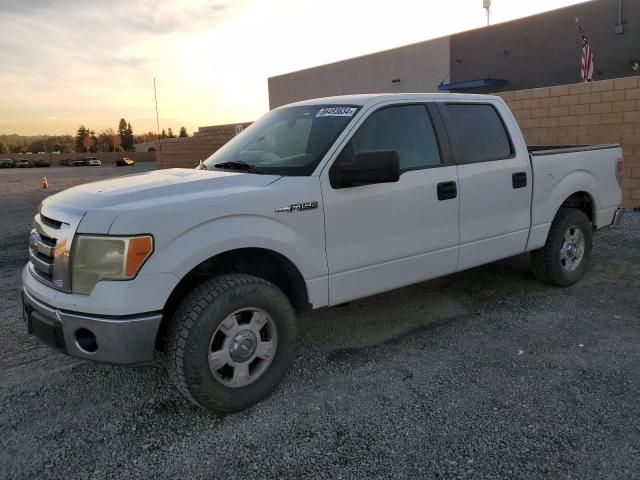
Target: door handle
[(447, 190), (519, 180)]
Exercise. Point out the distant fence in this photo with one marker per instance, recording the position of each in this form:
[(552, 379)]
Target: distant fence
[(105, 158), (186, 152)]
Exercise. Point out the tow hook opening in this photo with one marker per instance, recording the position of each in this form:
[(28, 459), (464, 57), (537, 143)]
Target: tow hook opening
[(86, 340)]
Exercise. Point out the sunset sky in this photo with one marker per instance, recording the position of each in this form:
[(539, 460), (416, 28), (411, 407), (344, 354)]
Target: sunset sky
[(67, 62)]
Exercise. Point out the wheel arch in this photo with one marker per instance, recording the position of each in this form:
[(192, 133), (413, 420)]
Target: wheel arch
[(578, 189), (581, 200), (260, 262)]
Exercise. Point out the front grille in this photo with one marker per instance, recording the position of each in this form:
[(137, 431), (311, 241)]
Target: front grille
[(42, 249), (51, 222), (49, 246)]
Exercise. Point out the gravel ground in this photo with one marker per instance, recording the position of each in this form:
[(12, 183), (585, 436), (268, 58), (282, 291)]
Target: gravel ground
[(482, 374)]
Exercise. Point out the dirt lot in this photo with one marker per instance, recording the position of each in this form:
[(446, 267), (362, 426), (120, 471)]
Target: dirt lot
[(483, 374)]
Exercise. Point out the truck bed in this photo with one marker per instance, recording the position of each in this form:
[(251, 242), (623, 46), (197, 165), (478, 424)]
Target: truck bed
[(562, 170), (554, 149)]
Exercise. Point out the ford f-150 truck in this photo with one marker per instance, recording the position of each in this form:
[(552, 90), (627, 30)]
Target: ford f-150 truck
[(317, 203)]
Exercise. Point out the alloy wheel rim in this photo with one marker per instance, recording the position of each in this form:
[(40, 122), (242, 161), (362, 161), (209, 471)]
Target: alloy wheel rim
[(572, 249), (242, 347)]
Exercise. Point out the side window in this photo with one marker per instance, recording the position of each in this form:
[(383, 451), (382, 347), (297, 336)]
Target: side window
[(481, 132), (406, 128)]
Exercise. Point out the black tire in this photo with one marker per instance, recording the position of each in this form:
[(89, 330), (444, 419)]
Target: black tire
[(546, 262), (198, 318)]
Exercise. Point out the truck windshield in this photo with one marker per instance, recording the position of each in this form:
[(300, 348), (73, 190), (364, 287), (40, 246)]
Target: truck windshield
[(288, 141)]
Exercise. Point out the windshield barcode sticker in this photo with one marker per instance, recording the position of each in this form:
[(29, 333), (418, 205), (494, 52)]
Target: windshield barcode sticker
[(336, 112)]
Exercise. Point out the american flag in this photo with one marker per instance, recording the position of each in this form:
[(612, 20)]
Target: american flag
[(586, 61)]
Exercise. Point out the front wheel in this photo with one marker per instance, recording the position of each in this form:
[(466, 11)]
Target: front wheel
[(231, 342), (565, 257)]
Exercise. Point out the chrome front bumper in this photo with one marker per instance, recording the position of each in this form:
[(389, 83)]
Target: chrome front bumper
[(617, 217), (121, 340)]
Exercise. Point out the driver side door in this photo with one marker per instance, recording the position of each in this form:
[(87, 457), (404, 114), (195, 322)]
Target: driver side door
[(388, 235)]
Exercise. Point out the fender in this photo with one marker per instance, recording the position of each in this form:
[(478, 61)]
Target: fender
[(192, 228), (186, 251), (549, 196)]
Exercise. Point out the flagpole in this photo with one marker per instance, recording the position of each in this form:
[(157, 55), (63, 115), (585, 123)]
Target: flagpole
[(586, 58)]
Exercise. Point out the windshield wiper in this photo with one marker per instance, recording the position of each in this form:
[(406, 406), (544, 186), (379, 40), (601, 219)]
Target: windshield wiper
[(237, 165)]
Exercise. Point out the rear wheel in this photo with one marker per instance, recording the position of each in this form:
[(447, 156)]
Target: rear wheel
[(565, 257), (231, 342)]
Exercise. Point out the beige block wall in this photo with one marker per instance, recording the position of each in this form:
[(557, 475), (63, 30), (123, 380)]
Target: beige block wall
[(607, 111), (188, 151)]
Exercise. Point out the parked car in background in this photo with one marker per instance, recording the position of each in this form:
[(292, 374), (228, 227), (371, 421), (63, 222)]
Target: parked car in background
[(7, 163), (25, 164), (40, 163), (79, 162), (125, 162), (65, 162), (92, 162)]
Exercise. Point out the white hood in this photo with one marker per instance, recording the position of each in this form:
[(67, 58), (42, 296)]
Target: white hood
[(124, 193), (100, 203)]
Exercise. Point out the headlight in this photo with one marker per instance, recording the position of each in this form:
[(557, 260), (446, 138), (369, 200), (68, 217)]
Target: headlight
[(107, 258)]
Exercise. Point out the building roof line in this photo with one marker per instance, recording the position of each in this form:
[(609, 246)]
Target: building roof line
[(435, 39)]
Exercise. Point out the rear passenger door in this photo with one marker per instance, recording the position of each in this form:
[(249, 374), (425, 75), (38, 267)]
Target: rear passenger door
[(494, 181)]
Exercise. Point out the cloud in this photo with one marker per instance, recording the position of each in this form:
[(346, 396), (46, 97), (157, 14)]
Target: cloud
[(101, 26), (21, 6), (65, 55), (145, 16), (49, 34)]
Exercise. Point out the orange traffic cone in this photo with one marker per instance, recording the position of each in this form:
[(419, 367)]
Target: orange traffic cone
[(45, 184)]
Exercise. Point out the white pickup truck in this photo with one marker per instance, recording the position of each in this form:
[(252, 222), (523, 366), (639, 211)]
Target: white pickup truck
[(316, 204)]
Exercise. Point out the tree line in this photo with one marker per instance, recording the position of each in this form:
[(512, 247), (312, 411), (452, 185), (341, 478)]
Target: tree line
[(123, 140), (169, 133), (85, 140), (55, 143)]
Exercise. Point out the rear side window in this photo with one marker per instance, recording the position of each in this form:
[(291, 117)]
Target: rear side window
[(406, 129), (481, 133)]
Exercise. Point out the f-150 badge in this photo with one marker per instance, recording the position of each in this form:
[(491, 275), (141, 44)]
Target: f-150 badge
[(298, 207)]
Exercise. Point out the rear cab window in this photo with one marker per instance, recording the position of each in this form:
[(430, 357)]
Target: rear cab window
[(479, 133)]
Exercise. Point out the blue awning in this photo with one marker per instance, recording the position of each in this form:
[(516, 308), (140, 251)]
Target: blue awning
[(482, 82)]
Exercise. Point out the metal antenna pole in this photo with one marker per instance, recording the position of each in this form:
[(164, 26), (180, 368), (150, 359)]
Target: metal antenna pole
[(155, 95), (486, 4)]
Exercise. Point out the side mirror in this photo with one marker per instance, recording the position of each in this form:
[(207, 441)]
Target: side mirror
[(367, 168)]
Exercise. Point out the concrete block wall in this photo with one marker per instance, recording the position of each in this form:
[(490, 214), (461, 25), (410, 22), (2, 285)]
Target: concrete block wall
[(606, 111), (186, 152)]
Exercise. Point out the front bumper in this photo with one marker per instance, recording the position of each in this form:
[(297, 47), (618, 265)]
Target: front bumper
[(121, 340)]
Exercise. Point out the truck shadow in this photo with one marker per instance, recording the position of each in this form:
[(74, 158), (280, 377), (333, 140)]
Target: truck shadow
[(345, 329), (332, 333), (392, 315)]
